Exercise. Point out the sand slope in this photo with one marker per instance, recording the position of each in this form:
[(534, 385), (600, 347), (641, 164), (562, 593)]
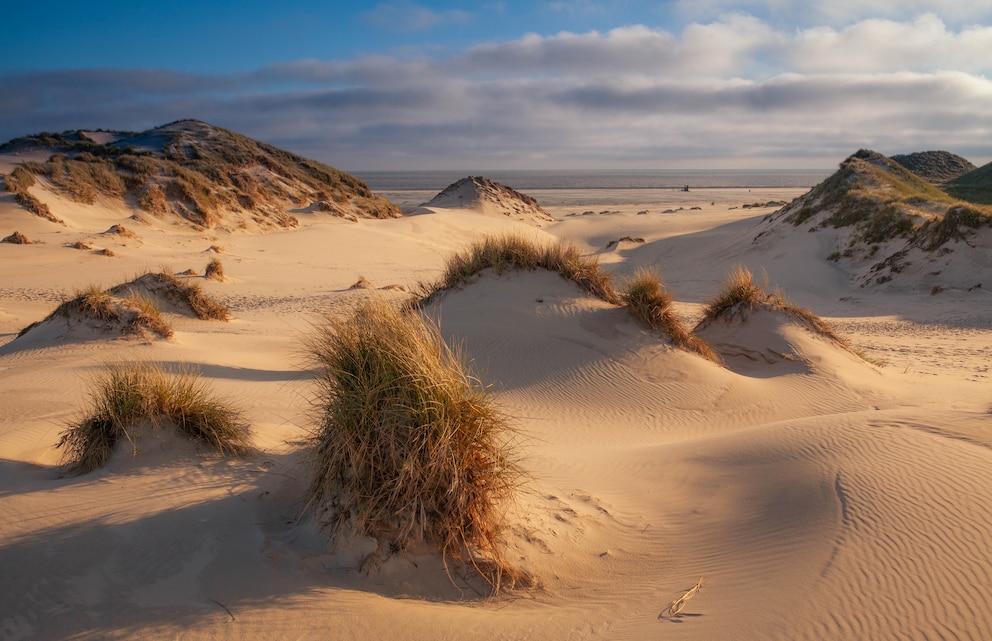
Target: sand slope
[(819, 496)]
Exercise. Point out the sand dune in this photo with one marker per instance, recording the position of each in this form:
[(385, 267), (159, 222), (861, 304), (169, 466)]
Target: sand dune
[(818, 495)]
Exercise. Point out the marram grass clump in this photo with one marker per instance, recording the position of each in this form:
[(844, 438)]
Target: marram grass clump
[(410, 447), (646, 298), (742, 294), (129, 395), (514, 252), (643, 296)]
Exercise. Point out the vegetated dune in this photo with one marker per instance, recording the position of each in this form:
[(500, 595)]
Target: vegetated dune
[(490, 197), (885, 224), (974, 186), (129, 309), (208, 176), (936, 167)]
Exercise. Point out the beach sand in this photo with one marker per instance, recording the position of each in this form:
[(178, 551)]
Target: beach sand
[(817, 494)]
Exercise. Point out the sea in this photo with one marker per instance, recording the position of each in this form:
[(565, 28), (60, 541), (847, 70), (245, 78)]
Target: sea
[(436, 180), (409, 189)]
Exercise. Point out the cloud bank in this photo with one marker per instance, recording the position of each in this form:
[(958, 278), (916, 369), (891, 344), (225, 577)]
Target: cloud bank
[(733, 92)]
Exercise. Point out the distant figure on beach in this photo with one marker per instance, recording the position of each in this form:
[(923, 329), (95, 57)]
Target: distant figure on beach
[(686, 188)]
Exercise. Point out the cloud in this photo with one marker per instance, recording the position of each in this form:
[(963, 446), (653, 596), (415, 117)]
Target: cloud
[(740, 45), (729, 92), (836, 13), (406, 16), (885, 45)]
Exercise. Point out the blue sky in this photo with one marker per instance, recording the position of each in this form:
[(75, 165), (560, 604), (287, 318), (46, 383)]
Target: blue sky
[(516, 85)]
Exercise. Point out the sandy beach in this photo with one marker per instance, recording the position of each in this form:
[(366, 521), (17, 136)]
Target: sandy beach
[(819, 494)]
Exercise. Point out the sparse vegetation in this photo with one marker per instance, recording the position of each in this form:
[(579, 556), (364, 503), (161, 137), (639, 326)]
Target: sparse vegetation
[(184, 294), (134, 313), (201, 172), (17, 238), (648, 301), (19, 180), (36, 207), (214, 270), (881, 201), (514, 252), (409, 445), (134, 306), (146, 314), (741, 294), (643, 296), (127, 395), (625, 239)]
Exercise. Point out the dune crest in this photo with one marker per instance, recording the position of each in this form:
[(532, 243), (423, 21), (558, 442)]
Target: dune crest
[(487, 196)]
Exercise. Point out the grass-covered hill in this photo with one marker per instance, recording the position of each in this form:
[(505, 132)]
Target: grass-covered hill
[(975, 186), (935, 166), (206, 175), (882, 211)]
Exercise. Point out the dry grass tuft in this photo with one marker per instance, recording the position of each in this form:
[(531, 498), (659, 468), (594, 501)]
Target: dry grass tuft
[(410, 447), (514, 252), (646, 299), (94, 302), (742, 294), (214, 270), (128, 394), (643, 296), (180, 292), (17, 238), (145, 314)]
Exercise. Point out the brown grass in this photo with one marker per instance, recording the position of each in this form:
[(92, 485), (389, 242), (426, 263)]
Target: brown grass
[(145, 314), (214, 270), (646, 298), (515, 252), (741, 294), (179, 292), (409, 445), (126, 395), (17, 238)]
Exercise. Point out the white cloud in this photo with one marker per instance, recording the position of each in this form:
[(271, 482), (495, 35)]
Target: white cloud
[(838, 13), (885, 45)]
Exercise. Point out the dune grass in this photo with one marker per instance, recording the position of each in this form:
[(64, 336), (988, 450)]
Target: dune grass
[(646, 298), (214, 270), (134, 306), (178, 291), (643, 296), (145, 313), (126, 395), (741, 294), (94, 302), (409, 447), (513, 252)]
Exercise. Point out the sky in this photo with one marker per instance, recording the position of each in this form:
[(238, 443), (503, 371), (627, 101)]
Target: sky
[(502, 84)]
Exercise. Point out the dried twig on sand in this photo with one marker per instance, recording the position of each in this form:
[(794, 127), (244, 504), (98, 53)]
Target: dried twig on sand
[(675, 607)]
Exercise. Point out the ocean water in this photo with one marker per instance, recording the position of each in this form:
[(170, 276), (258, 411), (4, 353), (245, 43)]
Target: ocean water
[(392, 181)]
